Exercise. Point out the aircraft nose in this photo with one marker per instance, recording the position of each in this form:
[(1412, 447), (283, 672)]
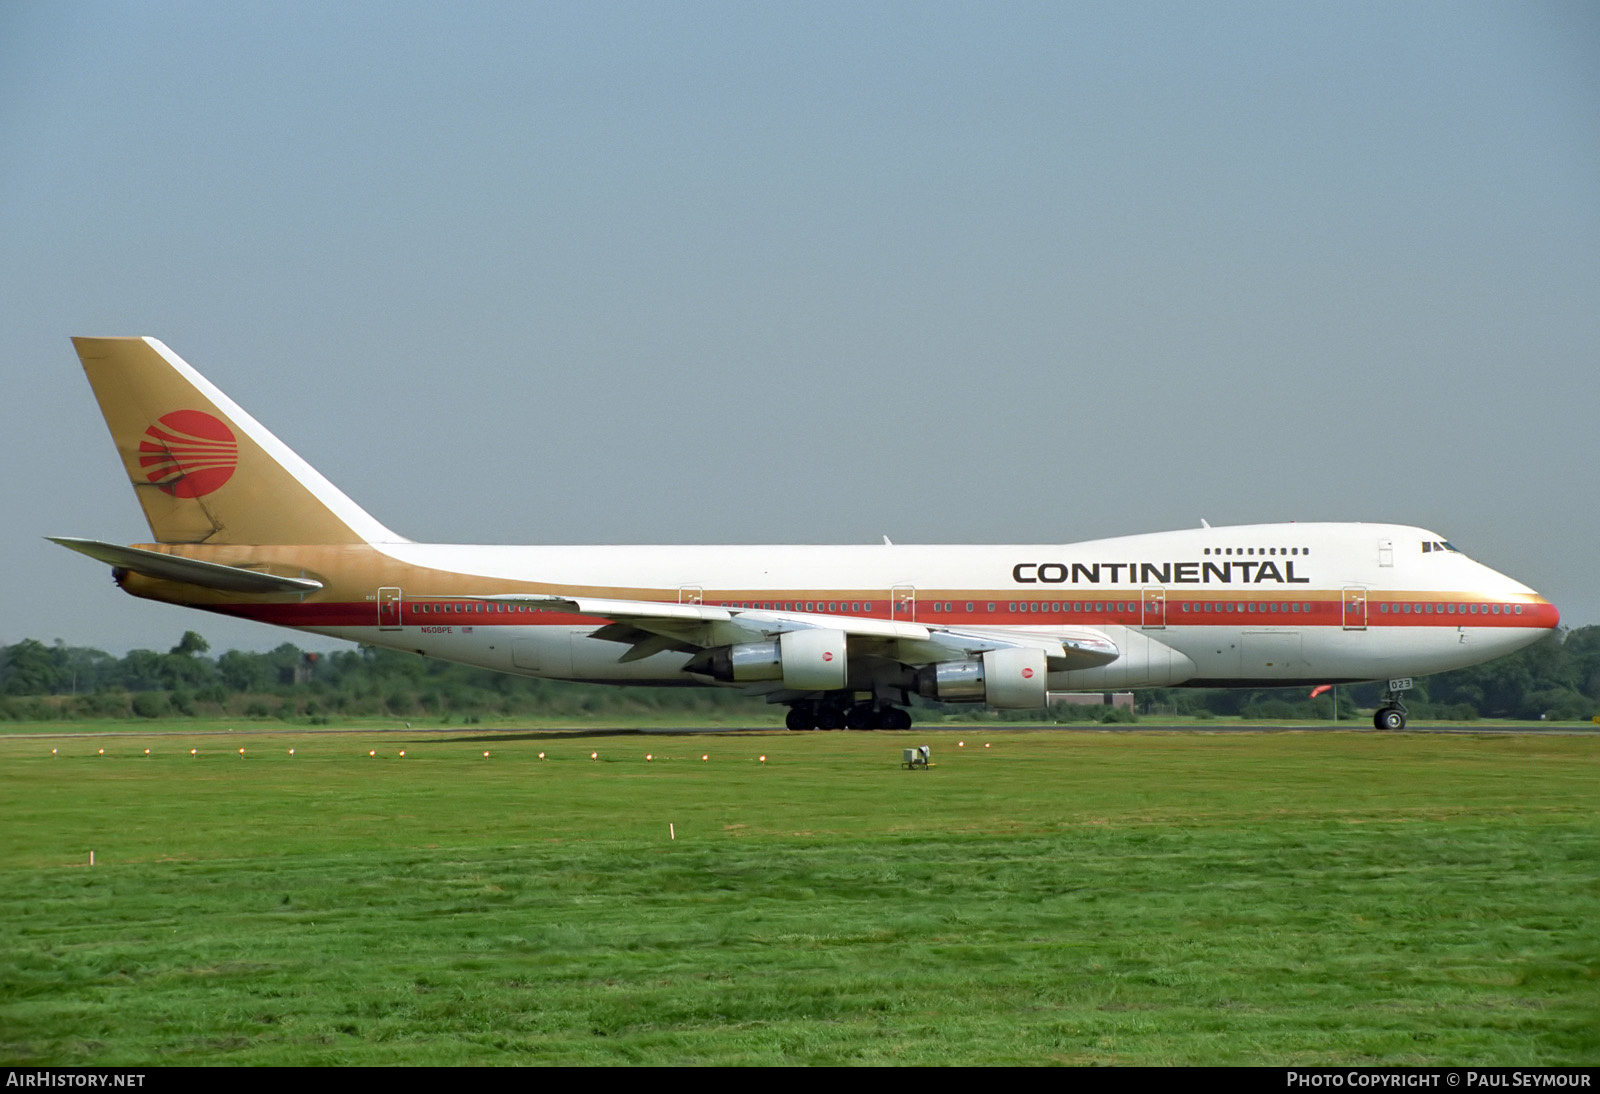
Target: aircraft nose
[(1545, 614)]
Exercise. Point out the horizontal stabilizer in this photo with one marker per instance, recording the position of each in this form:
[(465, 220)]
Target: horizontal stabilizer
[(211, 575)]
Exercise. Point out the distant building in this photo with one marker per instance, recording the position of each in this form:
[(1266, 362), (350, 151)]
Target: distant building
[(1115, 699)]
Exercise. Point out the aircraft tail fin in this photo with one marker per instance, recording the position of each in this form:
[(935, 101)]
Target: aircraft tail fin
[(203, 469)]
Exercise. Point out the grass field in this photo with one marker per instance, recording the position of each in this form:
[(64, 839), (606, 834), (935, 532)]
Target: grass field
[(1079, 897)]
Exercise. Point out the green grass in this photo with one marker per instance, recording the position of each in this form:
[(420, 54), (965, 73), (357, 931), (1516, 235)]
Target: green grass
[(1312, 898)]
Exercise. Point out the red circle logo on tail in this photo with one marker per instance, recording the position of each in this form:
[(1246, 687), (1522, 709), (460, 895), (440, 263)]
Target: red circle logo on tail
[(188, 453)]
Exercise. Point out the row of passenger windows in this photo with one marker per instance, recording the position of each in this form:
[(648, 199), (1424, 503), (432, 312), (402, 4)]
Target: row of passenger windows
[(1450, 609), (938, 606), (1073, 606), (801, 605), (470, 607), (1246, 606), (1302, 551)]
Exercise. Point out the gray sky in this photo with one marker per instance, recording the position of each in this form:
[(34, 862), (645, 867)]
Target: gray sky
[(590, 273)]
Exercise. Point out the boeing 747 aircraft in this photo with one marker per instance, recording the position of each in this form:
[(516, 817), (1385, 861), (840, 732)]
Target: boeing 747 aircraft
[(843, 636)]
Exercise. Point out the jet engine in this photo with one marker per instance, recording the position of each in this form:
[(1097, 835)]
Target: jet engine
[(1010, 679), (808, 660)]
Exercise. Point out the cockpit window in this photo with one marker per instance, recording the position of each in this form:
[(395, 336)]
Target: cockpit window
[(1429, 546)]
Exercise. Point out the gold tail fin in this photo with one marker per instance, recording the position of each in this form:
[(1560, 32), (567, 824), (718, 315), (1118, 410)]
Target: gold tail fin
[(204, 470)]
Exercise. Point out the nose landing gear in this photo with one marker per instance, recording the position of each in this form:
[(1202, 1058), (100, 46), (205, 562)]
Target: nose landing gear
[(1392, 715), (1391, 718)]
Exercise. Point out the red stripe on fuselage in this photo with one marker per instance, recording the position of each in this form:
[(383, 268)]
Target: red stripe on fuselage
[(1238, 612)]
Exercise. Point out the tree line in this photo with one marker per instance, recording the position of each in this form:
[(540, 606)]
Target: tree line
[(1557, 678), (40, 682)]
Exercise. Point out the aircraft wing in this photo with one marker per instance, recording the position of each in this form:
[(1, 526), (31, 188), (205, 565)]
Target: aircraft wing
[(650, 627)]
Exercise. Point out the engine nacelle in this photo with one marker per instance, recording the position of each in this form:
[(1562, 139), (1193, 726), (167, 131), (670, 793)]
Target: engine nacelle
[(808, 660), (1017, 679), (1012, 679)]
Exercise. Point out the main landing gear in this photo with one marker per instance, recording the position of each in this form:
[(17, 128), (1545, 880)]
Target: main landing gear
[(1392, 715), (827, 714)]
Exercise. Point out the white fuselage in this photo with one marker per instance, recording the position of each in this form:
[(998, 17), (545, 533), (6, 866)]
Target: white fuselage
[(1266, 604)]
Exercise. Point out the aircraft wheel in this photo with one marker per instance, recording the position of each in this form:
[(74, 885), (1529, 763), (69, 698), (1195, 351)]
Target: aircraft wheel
[(1390, 719), (861, 716), (828, 719), (895, 718), (800, 717)]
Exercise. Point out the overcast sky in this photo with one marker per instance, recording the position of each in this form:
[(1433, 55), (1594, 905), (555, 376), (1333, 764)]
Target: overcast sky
[(686, 272)]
